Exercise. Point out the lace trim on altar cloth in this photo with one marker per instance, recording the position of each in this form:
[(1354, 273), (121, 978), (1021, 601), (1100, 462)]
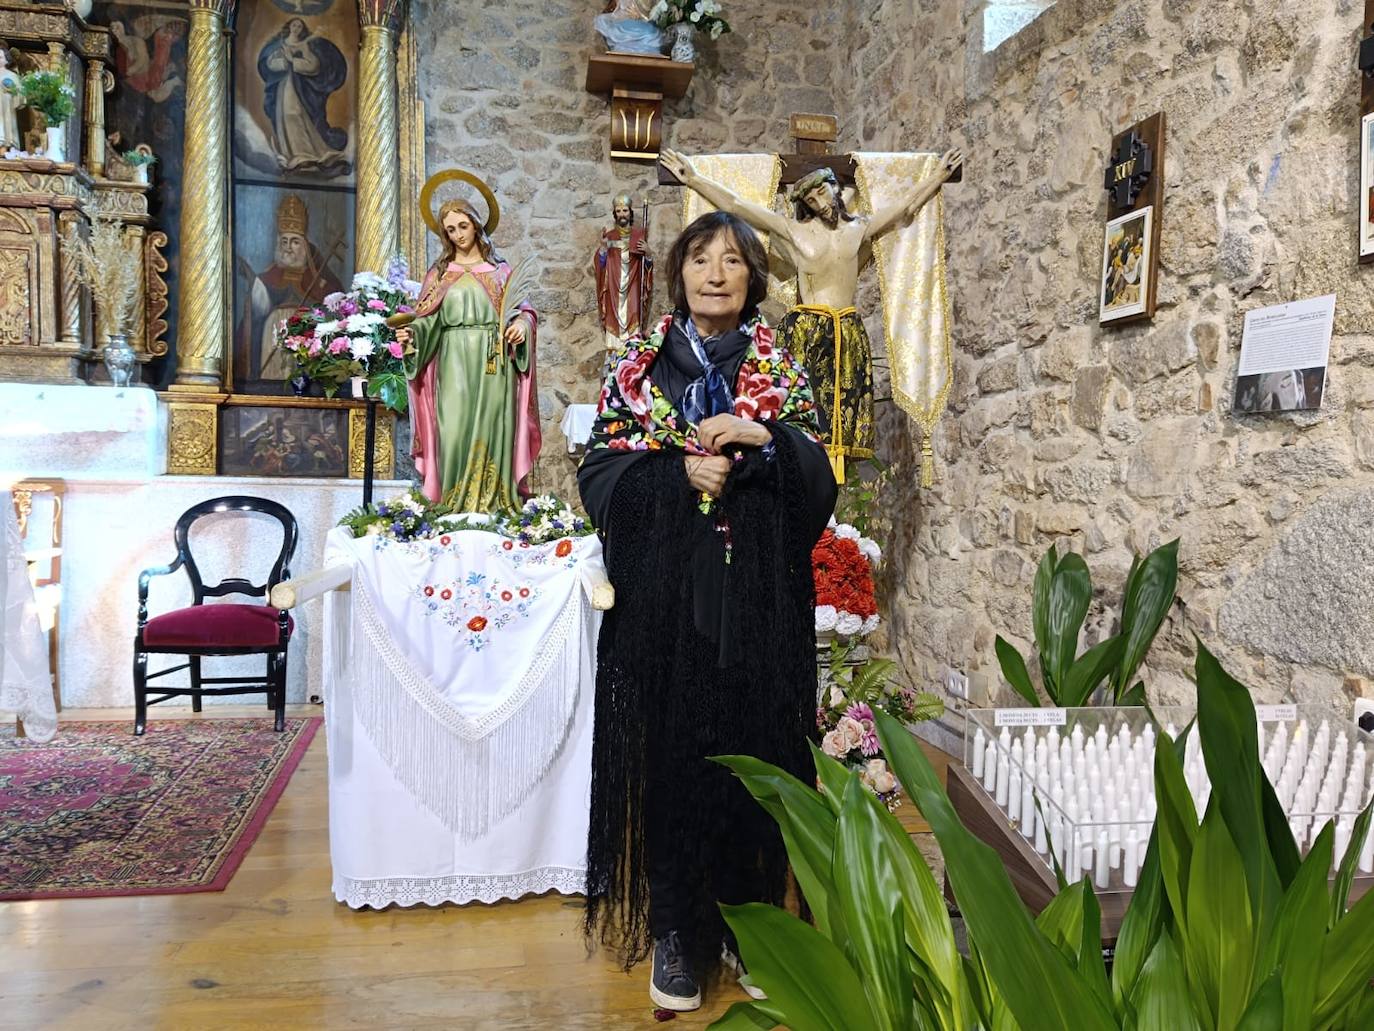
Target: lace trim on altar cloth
[(471, 774), (458, 889)]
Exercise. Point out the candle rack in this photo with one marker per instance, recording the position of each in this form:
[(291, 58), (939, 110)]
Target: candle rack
[(1077, 786)]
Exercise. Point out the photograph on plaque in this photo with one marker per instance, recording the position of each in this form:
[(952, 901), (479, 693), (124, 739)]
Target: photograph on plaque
[(1126, 266), (1367, 185), (283, 441), (1284, 353), (1292, 390)]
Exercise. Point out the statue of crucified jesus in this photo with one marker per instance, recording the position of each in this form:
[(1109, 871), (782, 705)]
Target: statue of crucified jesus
[(828, 245)]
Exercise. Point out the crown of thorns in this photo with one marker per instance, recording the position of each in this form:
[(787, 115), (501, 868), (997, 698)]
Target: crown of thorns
[(810, 181)]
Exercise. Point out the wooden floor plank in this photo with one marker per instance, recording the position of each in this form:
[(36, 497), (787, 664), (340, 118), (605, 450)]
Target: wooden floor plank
[(275, 950)]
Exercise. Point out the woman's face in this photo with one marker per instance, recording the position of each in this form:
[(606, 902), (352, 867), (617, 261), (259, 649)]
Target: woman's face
[(461, 231), (715, 278)]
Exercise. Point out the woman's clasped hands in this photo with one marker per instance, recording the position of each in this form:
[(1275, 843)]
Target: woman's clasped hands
[(707, 473)]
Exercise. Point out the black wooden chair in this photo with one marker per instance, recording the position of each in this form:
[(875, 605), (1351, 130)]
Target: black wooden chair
[(219, 629)]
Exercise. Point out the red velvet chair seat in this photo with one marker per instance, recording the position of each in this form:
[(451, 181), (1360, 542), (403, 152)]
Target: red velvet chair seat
[(211, 626)]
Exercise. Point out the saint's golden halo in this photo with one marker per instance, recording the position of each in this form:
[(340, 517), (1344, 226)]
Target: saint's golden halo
[(457, 175)]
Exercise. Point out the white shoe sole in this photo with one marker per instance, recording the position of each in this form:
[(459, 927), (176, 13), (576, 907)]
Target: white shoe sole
[(678, 1003), (734, 966)]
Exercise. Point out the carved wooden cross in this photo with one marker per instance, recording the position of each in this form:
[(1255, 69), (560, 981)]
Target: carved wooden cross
[(1129, 171), (811, 135)]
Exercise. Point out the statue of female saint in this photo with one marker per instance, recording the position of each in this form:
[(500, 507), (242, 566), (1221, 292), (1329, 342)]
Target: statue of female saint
[(828, 245), (472, 393), (10, 102), (626, 29)]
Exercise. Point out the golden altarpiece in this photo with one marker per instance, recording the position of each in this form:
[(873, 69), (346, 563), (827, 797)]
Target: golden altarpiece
[(48, 329)]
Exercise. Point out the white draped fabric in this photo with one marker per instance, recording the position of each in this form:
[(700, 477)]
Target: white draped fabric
[(458, 708), (25, 683)]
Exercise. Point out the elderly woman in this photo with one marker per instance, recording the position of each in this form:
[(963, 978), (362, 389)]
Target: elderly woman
[(709, 485)]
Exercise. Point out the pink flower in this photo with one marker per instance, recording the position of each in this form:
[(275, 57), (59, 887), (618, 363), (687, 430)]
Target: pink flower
[(405, 308), (851, 731), (859, 712), (338, 345), (833, 745), (395, 348), (315, 348), (877, 776), (377, 305), (348, 307)]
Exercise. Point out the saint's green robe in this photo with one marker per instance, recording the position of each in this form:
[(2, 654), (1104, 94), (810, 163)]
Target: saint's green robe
[(475, 396)]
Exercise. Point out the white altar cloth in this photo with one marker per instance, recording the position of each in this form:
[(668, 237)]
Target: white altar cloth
[(25, 681), (458, 709)]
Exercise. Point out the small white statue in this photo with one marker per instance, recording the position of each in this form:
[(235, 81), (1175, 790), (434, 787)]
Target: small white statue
[(10, 103)]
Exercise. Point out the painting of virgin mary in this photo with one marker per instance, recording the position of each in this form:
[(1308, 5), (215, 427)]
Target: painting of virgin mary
[(300, 70)]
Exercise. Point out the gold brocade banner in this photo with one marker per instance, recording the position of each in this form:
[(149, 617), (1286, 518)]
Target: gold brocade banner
[(753, 178), (911, 279)]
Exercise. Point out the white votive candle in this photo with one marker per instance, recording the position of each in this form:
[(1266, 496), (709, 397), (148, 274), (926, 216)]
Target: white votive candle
[(1102, 873), (980, 745), (1003, 775), (1013, 798), (1129, 864)]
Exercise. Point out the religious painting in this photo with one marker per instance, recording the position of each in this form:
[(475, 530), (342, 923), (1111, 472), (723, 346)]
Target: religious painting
[(1367, 185), (283, 441), (295, 129), (295, 87), (293, 246), (148, 105), (1126, 265)]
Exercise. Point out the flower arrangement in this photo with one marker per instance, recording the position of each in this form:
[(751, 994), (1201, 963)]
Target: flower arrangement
[(346, 335), (410, 516), (50, 94), (704, 14), (842, 563), (852, 686), (542, 519)]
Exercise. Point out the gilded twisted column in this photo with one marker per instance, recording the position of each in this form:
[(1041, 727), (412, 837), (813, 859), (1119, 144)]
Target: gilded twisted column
[(377, 230), (201, 324)]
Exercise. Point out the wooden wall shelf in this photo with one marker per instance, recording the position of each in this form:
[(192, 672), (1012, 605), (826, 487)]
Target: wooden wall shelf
[(637, 84)]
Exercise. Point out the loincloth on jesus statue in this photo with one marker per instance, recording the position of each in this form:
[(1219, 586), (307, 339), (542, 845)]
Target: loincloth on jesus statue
[(833, 344)]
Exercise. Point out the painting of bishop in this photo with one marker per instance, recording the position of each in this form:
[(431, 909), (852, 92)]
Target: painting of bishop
[(298, 275)]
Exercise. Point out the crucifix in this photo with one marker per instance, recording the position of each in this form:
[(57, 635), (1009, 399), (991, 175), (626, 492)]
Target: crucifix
[(828, 245), (1132, 163)]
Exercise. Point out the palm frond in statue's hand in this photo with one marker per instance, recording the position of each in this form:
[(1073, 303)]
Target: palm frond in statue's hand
[(519, 288)]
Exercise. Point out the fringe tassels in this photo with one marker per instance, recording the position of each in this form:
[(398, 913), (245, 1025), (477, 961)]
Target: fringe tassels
[(470, 773)]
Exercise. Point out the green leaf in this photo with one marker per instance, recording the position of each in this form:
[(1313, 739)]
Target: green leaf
[(808, 981), (1034, 979), (1149, 595), (1219, 939), (1014, 671), (808, 832), (1070, 592), (1266, 1009), (1135, 696), (1040, 609), (1294, 947), (1346, 874), (1279, 835), (1073, 922), (743, 1016), (1175, 823), (1088, 671), (1161, 998), (868, 893), (1230, 748), (832, 778), (1347, 962), (1141, 926)]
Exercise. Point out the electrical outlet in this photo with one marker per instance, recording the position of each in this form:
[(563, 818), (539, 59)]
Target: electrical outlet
[(1364, 714), (956, 684)]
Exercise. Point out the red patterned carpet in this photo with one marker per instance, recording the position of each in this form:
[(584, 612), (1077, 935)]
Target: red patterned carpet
[(98, 812)]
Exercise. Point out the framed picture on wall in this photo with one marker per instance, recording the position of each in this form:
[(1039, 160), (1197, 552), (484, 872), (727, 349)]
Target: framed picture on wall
[(1126, 265), (1367, 185)]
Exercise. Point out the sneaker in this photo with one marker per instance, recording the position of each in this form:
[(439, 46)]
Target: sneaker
[(735, 966), (672, 986)]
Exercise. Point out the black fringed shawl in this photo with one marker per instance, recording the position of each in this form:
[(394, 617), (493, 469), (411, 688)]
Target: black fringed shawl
[(673, 688)]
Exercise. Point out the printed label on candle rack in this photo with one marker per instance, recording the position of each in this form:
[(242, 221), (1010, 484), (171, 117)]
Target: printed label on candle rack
[(1276, 713), (1030, 717)]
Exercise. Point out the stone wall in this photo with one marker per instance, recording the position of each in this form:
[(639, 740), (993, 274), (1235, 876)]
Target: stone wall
[(1109, 440), (504, 92)]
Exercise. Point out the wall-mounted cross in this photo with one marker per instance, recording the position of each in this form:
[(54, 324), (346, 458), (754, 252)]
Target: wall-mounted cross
[(1132, 163)]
